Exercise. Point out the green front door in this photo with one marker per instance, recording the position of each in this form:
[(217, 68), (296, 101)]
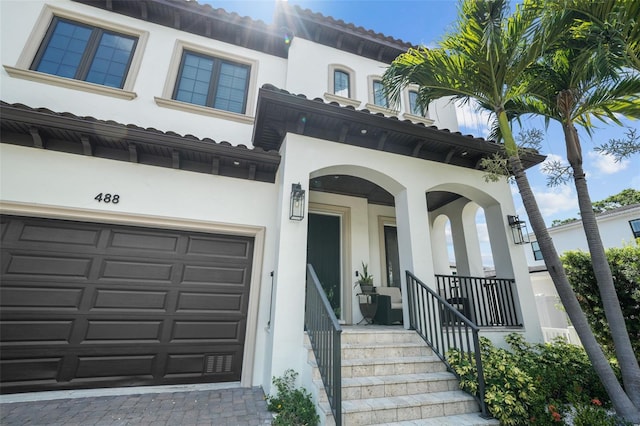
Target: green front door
[(323, 252)]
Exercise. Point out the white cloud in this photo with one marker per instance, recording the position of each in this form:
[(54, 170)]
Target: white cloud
[(556, 200), (606, 163), (471, 120)]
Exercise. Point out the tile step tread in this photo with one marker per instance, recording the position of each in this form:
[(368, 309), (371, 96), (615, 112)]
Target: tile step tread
[(456, 420), (384, 345), (396, 360), (372, 404), (397, 378)]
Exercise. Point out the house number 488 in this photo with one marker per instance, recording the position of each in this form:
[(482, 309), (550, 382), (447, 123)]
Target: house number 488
[(107, 198)]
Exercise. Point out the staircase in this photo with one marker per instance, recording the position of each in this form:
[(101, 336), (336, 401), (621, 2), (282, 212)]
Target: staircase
[(391, 377)]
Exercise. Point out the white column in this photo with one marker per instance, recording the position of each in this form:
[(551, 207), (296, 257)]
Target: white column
[(287, 316), (413, 239)]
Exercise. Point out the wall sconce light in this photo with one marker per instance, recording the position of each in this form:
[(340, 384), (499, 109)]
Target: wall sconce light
[(296, 210), (518, 230)]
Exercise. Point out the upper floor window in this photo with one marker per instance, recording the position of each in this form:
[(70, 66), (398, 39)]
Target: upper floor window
[(635, 227), (341, 83), (84, 52), (414, 107), (537, 253), (213, 82), (379, 97)]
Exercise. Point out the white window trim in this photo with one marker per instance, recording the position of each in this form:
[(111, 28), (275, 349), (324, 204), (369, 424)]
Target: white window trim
[(352, 80), (408, 115), (172, 75), (371, 106), (330, 97), (21, 70)]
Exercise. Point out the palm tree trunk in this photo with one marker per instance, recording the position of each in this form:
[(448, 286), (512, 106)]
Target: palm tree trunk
[(617, 325), (621, 401)]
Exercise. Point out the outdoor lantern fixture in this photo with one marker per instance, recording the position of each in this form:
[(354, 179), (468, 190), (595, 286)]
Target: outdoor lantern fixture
[(296, 210), (518, 230)]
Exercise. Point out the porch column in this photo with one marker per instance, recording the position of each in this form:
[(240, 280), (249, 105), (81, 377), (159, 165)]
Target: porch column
[(464, 233), (413, 240), (288, 294)]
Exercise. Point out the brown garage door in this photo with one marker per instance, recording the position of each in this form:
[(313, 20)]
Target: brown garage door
[(96, 305)]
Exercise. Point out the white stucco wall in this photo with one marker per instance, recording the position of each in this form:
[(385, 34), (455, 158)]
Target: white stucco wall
[(308, 74), (17, 20)]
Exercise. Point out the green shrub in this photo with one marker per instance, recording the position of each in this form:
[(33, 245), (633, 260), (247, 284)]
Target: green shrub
[(531, 383), (625, 268), (293, 405)]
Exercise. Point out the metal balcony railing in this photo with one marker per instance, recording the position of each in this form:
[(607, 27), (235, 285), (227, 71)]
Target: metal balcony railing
[(488, 302)]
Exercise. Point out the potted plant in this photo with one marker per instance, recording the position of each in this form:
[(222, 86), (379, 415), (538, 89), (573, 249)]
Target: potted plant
[(365, 280)]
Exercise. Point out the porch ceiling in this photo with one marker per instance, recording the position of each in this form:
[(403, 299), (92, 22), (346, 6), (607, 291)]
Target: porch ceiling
[(280, 112)]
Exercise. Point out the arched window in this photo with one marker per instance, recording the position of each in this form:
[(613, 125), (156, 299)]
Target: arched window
[(341, 83)]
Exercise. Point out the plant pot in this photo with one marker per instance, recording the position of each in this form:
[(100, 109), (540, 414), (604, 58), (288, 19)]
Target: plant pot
[(367, 288)]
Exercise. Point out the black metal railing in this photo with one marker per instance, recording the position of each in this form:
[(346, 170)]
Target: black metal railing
[(444, 328), (324, 332), (488, 302)]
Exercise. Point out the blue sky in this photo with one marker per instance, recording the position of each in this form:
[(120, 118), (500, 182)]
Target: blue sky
[(425, 22)]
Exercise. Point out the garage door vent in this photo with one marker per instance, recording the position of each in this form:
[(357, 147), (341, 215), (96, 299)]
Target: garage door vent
[(218, 363)]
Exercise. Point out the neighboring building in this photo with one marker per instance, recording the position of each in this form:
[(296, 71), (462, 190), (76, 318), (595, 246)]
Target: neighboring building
[(618, 227), (149, 152)]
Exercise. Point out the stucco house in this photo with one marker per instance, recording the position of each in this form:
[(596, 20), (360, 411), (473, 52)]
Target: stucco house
[(618, 227), (168, 170)]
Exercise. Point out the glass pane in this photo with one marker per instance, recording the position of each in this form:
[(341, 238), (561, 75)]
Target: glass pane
[(413, 104), (232, 87), (64, 50), (195, 79), (378, 95), (109, 66), (341, 83)]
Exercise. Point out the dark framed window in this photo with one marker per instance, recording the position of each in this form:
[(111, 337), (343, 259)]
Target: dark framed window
[(537, 254), (414, 107), (84, 52), (341, 84), (379, 98), (213, 82), (635, 227)]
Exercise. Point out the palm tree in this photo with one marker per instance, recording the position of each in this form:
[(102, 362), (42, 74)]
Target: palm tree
[(571, 85), (484, 60)]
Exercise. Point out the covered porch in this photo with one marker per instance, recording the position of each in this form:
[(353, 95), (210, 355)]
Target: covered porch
[(384, 191)]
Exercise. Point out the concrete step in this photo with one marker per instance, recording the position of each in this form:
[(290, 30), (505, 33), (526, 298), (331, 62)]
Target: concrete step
[(384, 350), (459, 420), (397, 385), (391, 366), (409, 407), (378, 334)]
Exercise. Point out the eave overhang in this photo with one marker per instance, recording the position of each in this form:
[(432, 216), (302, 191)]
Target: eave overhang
[(65, 132), (280, 112)]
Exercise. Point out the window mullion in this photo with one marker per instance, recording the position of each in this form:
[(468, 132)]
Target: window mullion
[(213, 84), (89, 54)]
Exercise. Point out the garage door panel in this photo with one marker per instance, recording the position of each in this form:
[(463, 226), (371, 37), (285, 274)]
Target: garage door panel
[(145, 241), (209, 302), (42, 369), (123, 299), (206, 331), (38, 298), (218, 246), (184, 365), (29, 265), (116, 269), (60, 234), (104, 331), (209, 275), (87, 304), (35, 332)]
